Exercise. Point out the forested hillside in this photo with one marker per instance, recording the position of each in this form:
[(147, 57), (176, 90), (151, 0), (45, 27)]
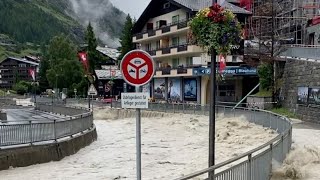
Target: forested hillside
[(35, 21)]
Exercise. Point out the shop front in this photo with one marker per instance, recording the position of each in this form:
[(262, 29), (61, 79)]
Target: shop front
[(231, 87)]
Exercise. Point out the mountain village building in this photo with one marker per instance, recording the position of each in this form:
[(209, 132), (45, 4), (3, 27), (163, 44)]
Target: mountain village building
[(183, 68)]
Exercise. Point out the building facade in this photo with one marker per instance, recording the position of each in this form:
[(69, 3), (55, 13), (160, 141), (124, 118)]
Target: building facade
[(13, 70), (182, 68)]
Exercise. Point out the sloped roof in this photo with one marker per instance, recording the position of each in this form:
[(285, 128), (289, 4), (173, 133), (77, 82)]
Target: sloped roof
[(106, 74), (24, 61), (196, 5), (234, 8), (189, 5)]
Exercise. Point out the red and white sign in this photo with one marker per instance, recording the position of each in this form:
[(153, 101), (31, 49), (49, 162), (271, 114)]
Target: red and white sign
[(223, 63), (137, 68), (84, 60), (32, 73)]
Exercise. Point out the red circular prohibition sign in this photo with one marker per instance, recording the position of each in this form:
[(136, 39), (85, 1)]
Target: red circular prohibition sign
[(126, 61)]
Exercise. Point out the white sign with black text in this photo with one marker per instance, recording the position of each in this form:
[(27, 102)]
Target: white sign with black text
[(134, 100)]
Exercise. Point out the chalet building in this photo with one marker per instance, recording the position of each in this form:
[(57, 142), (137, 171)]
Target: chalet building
[(183, 68), (13, 70)]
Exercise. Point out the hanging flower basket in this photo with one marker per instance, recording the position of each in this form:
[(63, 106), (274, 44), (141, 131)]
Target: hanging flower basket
[(215, 28)]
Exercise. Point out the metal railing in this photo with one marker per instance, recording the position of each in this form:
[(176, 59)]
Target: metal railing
[(33, 131), (253, 165), (307, 52)]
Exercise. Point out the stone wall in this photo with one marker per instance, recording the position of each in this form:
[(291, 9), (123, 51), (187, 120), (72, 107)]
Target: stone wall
[(300, 73), (26, 156)]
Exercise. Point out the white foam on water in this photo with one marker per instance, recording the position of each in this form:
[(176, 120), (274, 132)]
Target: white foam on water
[(172, 146)]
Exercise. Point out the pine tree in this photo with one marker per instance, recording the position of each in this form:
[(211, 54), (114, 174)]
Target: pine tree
[(126, 38), (91, 49)]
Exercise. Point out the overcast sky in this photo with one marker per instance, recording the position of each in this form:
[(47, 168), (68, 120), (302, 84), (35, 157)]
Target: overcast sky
[(133, 7)]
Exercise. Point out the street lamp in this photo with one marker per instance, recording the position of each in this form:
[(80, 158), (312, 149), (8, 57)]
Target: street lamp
[(212, 118)]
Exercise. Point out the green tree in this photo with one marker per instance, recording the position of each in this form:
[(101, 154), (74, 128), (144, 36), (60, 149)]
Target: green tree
[(65, 70), (43, 68), (22, 87), (91, 49), (126, 38)]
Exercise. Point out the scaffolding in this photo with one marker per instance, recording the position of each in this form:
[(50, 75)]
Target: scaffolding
[(285, 19)]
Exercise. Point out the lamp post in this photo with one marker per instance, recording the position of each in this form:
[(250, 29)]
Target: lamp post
[(212, 117)]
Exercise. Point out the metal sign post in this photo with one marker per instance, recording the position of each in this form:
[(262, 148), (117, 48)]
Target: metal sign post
[(138, 69), (92, 92), (138, 138)]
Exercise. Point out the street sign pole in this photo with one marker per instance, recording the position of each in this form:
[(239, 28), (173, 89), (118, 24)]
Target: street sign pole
[(92, 104), (138, 138), (138, 69)]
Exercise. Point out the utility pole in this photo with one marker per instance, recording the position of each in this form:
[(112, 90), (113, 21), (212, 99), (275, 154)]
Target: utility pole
[(212, 118)]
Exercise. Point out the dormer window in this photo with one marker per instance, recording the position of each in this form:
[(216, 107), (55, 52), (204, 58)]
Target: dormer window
[(166, 5)]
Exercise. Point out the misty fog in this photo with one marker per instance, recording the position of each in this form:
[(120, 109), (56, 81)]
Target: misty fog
[(97, 12)]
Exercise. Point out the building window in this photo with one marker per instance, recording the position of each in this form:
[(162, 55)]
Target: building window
[(175, 62), (175, 19), (189, 61), (22, 65), (175, 41), (158, 44), (157, 24), (148, 47), (234, 58), (166, 5)]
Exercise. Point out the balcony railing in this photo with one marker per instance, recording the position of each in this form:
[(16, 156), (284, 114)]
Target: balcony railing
[(302, 51), (152, 52), (183, 47), (182, 24), (182, 70), (151, 33), (139, 36), (166, 50), (165, 71), (164, 29)]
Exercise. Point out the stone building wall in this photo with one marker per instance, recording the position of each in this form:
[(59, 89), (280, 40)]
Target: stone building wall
[(299, 73)]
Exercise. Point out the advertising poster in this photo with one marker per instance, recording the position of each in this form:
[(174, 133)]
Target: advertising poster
[(190, 89), (159, 88), (174, 89), (146, 88), (303, 95), (314, 96)]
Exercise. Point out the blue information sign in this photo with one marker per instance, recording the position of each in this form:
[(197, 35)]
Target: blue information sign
[(231, 70)]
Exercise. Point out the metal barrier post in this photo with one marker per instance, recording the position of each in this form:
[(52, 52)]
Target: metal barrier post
[(55, 130), (249, 177), (282, 154), (269, 120), (30, 132), (173, 107), (183, 108), (271, 149)]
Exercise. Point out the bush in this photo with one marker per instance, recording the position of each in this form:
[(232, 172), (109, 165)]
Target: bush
[(265, 72), (21, 88)]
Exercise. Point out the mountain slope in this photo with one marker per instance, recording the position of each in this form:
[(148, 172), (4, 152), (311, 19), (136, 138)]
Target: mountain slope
[(37, 21), (33, 21), (106, 19)]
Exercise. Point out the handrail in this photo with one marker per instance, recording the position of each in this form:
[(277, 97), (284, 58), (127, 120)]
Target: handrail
[(246, 96), (247, 154), (278, 146), (32, 131)]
